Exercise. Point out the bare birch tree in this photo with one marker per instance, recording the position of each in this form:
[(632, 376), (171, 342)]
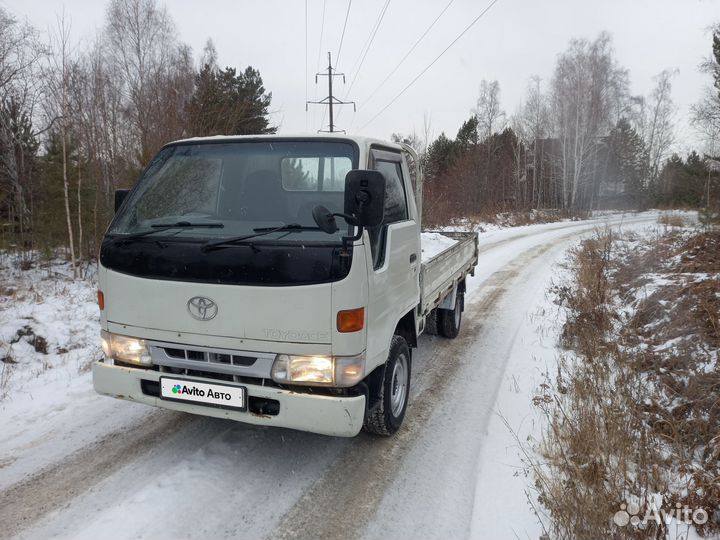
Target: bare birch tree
[(58, 110), (660, 124), (587, 87), (706, 113), (157, 71), (533, 124), (491, 117)]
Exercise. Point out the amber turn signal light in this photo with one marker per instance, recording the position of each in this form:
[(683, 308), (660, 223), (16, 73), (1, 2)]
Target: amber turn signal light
[(101, 300), (351, 320)]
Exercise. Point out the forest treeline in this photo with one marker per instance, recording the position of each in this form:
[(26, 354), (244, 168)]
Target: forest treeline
[(580, 142), (79, 121), (76, 123)]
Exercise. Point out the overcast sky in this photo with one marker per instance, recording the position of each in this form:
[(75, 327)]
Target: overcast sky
[(514, 40)]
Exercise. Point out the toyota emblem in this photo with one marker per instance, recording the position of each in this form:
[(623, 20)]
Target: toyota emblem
[(202, 308)]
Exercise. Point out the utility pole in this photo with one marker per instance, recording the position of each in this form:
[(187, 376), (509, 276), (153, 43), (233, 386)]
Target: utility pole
[(330, 100)]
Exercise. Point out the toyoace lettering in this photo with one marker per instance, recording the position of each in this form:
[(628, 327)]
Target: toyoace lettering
[(306, 255), (291, 335)]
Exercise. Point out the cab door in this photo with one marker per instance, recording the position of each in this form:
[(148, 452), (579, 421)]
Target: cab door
[(394, 247)]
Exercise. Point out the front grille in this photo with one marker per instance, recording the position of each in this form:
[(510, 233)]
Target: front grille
[(215, 357), (212, 363)]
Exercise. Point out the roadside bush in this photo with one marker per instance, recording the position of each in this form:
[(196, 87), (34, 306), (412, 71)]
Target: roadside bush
[(634, 407)]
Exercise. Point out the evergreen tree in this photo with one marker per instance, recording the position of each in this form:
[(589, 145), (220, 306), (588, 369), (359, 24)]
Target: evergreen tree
[(51, 230), (439, 157), (627, 159), (228, 103), (682, 182), (468, 133), (18, 168)]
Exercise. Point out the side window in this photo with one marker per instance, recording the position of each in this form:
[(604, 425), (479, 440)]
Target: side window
[(315, 173), (395, 206), (395, 203)]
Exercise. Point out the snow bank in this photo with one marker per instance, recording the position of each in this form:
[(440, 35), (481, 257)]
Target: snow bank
[(47, 320)]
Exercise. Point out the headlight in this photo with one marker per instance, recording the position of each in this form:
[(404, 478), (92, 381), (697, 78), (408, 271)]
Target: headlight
[(338, 371), (125, 349)]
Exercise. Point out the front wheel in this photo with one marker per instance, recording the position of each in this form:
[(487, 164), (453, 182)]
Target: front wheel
[(385, 415), (449, 319)]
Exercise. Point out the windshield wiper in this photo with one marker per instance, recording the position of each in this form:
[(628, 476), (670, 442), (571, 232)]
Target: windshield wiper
[(158, 227), (259, 231)]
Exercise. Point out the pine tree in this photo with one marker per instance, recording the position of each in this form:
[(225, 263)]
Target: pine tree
[(468, 133), (439, 157), (627, 159), (228, 103)]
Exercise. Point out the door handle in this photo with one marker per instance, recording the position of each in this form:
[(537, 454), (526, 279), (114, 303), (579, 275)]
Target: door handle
[(413, 257)]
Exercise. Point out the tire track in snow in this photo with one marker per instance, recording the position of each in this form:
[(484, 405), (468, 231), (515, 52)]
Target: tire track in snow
[(52, 488)]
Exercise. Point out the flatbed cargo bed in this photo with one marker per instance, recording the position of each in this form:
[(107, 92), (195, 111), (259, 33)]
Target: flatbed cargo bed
[(441, 273)]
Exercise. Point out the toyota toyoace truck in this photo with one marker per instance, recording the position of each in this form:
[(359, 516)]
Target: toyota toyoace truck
[(275, 280)]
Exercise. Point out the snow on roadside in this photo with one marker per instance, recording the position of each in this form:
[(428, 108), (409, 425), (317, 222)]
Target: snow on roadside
[(49, 336), (49, 323)]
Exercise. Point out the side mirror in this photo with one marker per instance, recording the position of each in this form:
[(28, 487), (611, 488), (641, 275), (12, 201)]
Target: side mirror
[(120, 195), (324, 219), (365, 197)]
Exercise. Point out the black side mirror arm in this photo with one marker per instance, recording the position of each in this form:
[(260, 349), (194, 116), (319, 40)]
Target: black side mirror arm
[(352, 220)]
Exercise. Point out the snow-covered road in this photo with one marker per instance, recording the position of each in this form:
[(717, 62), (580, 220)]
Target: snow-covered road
[(92, 467)]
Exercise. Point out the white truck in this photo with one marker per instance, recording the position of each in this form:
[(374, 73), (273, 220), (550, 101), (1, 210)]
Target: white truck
[(275, 280)]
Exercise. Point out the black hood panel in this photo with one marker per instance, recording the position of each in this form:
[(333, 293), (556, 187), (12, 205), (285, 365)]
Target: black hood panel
[(270, 264)]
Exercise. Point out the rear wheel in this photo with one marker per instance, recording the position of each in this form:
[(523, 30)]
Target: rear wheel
[(449, 320), (385, 415)]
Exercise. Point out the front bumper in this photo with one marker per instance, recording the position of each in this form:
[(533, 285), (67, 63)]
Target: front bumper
[(326, 415)]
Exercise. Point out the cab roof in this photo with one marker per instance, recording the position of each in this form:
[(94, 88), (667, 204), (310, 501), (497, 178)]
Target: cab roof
[(363, 142)]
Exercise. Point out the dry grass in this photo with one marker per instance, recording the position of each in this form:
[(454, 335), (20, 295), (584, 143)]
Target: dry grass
[(671, 220), (6, 371), (439, 214), (629, 415)]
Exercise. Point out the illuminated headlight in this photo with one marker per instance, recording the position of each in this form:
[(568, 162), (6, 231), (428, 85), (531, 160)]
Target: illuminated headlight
[(338, 371), (125, 349)]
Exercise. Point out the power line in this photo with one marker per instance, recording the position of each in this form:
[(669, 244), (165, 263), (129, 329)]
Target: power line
[(366, 49), (342, 37), (475, 20), (368, 45), (322, 30), (337, 57), (427, 30), (330, 100)]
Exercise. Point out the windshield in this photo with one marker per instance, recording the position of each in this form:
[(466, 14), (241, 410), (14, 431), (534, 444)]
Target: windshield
[(229, 189)]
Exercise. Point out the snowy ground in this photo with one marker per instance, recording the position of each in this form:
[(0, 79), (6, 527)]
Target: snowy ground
[(77, 465)]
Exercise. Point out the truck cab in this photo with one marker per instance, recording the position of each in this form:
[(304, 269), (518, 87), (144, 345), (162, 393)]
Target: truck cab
[(270, 280)]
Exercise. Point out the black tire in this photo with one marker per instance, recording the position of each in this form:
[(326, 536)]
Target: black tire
[(449, 320), (385, 415)]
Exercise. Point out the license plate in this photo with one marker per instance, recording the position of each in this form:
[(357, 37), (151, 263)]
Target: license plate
[(212, 394)]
